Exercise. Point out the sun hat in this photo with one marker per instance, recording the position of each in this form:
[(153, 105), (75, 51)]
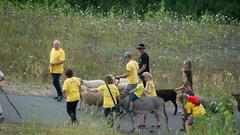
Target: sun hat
[(141, 46)]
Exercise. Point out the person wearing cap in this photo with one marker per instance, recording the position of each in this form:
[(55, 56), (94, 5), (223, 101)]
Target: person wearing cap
[(1, 112), (143, 61), (57, 58), (131, 72)]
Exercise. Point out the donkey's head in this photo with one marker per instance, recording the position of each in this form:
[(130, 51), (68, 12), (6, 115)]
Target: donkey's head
[(237, 97)]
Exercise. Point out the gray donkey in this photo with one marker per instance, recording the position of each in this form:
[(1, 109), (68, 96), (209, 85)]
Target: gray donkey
[(145, 105)]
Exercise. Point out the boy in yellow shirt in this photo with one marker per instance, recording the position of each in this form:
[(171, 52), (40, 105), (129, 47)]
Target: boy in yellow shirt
[(57, 58), (71, 88), (135, 94), (131, 72), (192, 109), (108, 103)]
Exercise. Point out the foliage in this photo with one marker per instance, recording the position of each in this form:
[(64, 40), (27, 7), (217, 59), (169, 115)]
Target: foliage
[(194, 8), (221, 123)]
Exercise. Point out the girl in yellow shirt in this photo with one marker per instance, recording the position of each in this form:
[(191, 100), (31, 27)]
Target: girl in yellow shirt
[(150, 91), (108, 104), (150, 87)]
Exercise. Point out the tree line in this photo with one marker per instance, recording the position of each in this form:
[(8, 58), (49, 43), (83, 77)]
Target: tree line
[(194, 8)]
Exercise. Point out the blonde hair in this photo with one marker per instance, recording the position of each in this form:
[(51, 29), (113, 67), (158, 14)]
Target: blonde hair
[(56, 42), (147, 74), (188, 62)]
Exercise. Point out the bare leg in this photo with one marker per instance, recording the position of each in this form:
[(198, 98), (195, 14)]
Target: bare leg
[(130, 105), (186, 125)]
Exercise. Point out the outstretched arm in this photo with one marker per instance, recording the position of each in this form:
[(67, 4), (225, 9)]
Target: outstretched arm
[(180, 88), (124, 75), (92, 90)]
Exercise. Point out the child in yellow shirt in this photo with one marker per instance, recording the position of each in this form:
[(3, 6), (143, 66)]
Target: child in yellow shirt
[(191, 110), (108, 103), (135, 94), (71, 88), (150, 87)]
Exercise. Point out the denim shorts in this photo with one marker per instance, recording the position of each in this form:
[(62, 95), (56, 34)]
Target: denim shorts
[(190, 119), (133, 97)]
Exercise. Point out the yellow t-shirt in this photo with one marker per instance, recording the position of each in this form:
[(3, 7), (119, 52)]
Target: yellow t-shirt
[(132, 67), (107, 100), (72, 86), (57, 56), (150, 87), (194, 110), (139, 90)]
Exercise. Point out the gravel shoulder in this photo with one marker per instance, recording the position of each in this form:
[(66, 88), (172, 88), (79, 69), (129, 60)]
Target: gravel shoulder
[(28, 89)]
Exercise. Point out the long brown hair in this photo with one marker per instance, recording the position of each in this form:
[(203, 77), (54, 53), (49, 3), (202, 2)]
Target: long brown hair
[(109, 79)]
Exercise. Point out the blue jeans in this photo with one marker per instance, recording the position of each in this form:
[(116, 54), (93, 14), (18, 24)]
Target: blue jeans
[(56, 83)]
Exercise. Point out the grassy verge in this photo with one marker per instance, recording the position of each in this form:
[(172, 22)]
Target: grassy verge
[(24, 129)]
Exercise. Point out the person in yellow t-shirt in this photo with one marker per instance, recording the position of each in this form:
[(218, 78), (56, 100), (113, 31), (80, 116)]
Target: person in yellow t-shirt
[(150, 91), (191, 110), (150, 87), (135, 94), (57, 58), (71, 88), (131, 72), (108, 103)]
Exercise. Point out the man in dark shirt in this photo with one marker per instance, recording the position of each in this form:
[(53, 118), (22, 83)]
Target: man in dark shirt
[(143, 61)]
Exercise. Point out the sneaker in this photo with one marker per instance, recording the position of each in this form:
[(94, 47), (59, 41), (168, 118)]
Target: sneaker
[(143, 125), (55, 97), (59, 98), (75, 122), (128, 110), (1, 117)]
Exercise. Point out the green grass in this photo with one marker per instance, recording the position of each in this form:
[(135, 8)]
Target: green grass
[(32, 129), (94, 46)]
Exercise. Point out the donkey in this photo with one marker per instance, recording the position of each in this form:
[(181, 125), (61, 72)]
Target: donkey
[(168, 95), (143, 106), (237, 97)]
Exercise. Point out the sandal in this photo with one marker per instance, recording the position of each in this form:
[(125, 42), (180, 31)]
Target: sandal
[(143, 125)]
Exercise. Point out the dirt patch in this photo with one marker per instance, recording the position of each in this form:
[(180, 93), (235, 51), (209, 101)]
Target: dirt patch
[(28, 89)]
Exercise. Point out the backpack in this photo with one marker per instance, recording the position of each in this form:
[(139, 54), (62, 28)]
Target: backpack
[(194, 100)]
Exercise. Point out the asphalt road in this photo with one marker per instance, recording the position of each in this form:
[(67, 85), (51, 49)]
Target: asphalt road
[(46, 111)]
